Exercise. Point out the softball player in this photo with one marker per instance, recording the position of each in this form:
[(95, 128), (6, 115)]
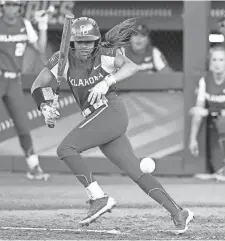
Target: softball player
[(148, 58), (92, 71), (15, 33), (221, 25), (211, 104)]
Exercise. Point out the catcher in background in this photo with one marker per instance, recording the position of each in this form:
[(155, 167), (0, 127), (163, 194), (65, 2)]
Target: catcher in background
[(15, 33), (93, 68), (210, 104), (147, 57)]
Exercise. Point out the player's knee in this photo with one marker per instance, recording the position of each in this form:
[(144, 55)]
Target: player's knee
[(135, 176), (64, 150)]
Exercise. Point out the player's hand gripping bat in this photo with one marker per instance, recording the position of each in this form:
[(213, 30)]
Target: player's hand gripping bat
[(63, 56)]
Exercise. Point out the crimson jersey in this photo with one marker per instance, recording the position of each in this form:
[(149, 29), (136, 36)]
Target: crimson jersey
[(153, 59), (82, 76), (211, 94), (13, 40)]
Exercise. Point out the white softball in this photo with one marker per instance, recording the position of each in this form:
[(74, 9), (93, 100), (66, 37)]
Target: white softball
[(147, 165)]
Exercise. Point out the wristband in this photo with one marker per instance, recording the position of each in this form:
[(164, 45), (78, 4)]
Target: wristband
[(110, 80), (43, 95)]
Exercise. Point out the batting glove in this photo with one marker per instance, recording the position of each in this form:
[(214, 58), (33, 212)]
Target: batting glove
[(42, 19), (97, 92), (100, 89), (50, 113)]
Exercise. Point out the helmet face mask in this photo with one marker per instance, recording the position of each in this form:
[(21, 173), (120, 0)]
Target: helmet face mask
[(84, 49)]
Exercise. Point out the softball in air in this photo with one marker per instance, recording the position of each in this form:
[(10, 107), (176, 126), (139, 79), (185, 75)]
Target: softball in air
[(147, 165)]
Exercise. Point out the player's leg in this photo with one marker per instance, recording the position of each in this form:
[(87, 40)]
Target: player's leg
[(106, 126), (15, 104), (216, 147), (220, 174), (211, 143), (120, 152)]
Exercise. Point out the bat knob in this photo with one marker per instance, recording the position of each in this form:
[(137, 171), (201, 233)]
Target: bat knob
[(51, 126)]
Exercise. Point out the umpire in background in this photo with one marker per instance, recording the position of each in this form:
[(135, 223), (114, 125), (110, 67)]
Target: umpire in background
[(15, 33)]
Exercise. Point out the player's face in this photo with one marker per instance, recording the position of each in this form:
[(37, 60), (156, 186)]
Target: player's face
[(84, 48), (139, 42), (11, 10), (217, 62)]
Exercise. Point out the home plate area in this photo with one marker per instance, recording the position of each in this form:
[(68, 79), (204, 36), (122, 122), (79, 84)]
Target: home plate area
[(123, 223), (33, 210)]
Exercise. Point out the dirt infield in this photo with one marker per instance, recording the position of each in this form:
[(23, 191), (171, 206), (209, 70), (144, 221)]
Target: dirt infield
[(51, 210)]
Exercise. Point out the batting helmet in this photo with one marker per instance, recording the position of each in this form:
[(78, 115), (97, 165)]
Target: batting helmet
[(85, 29)]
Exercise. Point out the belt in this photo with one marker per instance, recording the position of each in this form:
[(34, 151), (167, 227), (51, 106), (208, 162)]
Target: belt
[(86, 112), (9, 74)]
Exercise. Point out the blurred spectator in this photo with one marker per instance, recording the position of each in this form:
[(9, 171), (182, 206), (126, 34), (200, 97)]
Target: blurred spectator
[(33, 61), (221, 25), (210, 104), (141, 51)]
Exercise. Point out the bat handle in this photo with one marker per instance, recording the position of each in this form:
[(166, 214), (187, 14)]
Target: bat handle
[(54, 104)]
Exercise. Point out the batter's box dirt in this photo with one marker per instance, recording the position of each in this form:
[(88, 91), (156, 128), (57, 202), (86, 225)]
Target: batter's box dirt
[(121, 224)]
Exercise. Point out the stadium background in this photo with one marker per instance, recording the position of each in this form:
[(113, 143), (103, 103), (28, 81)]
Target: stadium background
[(158, 104)]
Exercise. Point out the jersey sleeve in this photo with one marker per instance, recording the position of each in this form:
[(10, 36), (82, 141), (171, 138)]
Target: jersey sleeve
[(159, 59), (107, 59), (31, 33), (52, 65)]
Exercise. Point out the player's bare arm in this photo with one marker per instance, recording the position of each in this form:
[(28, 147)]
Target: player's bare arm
[(39, 43), (198, 112), (42, 19), (126, 67), (43, 79), (45, 96), (160, 61)]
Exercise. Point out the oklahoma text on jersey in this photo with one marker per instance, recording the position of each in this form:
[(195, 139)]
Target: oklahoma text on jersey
[(86, 82)]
